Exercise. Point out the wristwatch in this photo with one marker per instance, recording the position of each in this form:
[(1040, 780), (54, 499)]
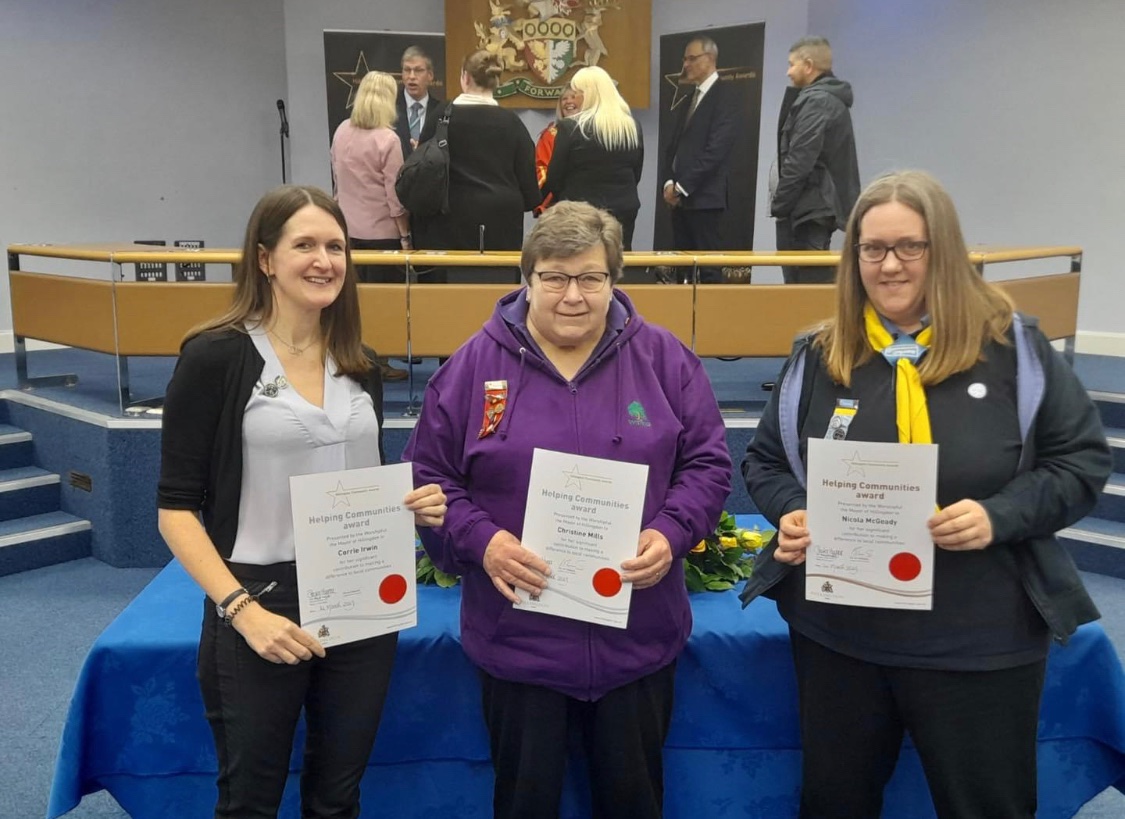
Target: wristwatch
[(221, 608)]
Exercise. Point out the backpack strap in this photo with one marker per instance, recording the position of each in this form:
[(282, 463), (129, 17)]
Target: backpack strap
[(1031, 383), (788, 409), (441, 135)]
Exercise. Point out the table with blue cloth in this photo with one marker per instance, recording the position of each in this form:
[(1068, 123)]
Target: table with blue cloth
[(136, 726)]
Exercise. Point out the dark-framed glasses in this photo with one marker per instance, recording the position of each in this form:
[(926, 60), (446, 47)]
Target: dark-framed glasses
[(554, 282), (906, 250), (691, 58)]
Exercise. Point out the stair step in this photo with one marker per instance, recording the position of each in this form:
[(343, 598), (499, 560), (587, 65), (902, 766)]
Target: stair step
[(1097, 545), (1111, 503), (15, 447), (1116, 438), (1111, 405), (36, 541), (28, 490)]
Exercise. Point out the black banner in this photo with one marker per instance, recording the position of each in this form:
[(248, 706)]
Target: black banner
[(741, 50), (348, 55)]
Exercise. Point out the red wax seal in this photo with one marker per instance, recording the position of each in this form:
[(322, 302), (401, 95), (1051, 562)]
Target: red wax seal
[(607, 582), (392, 589), (905, 566)]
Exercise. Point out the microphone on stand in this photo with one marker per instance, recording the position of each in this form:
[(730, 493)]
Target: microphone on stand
[(284, 119)]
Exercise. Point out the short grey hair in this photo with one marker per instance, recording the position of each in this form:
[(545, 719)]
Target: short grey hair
[(570, 228), (707, 45), (416, 53), (816, 49)]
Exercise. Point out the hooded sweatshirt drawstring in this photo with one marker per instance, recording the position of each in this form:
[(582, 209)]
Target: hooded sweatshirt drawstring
[(617, 413), (513, 392)]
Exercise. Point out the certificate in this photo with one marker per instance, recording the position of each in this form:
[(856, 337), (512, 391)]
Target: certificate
[(868, 504), (355, 552), (583, 517)]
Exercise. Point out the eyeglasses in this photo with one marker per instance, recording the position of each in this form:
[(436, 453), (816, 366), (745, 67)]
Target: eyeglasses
[(553, 282), (691, 58), (907, 250)]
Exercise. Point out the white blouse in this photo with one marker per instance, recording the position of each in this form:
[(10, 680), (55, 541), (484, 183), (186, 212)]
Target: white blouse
[(284, 435)]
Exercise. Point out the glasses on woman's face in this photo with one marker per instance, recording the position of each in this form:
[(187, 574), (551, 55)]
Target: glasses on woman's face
[(553, 282), (907, 250)]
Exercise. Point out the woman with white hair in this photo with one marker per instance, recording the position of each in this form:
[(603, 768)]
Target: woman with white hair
[(599, 151)]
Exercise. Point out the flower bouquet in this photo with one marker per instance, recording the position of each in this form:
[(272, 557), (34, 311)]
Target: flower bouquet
[(725, 557)]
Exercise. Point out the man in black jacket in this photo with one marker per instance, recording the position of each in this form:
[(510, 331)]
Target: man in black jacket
[(817, 168), (416, 105), (694, 165)]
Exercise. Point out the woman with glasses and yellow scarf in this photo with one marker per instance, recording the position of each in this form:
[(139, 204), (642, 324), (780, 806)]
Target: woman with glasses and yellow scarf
[(922, 350)]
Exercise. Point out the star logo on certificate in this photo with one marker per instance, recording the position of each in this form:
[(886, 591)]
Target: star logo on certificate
[(575, 477), (340, 495), (858, 466)]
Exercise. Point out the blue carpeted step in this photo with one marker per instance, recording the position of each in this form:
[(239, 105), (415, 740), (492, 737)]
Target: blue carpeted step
[(1111, 503), (42, 540), (1111, 406), (1097, 544), (1116, 438), (15, 447), (27, 490)]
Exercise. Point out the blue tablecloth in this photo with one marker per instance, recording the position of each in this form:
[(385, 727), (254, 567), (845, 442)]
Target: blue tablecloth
[(136, 725)]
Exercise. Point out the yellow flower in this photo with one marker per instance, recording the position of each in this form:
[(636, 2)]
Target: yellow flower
[(700, 547), (728, 542), (752, 538)]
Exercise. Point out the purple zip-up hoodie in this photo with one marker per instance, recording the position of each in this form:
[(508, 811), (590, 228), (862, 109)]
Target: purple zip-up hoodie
[(643, 398)]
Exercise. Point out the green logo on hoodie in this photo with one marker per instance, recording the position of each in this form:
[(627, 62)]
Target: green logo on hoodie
[(637, 416)]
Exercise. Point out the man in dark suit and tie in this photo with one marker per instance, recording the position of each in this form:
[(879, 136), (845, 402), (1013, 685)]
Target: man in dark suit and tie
[(416, 105), (694, 166)]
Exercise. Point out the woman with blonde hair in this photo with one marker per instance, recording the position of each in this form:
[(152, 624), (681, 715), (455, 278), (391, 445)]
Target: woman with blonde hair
[(366, 157), (599, 151), (922, 350)]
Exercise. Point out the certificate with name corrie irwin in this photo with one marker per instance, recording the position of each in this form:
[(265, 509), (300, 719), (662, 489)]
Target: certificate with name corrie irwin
[(868, 504), (583, 517), (355, 552)]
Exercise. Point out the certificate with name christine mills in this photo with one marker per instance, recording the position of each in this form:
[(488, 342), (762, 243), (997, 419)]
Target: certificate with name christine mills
[(355, 552), (583, 517), (868, 504)]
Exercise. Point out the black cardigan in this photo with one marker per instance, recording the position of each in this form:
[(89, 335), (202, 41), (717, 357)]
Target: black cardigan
[(201, 436)]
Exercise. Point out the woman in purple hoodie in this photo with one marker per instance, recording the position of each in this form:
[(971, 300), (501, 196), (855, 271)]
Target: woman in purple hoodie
[(566, 364)]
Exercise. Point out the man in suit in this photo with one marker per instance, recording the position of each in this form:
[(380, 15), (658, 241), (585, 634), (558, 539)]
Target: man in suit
[(817, 169), (694, 166), (416, 105)]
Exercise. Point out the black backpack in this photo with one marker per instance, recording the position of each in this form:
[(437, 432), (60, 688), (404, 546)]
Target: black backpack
[(422, 185)]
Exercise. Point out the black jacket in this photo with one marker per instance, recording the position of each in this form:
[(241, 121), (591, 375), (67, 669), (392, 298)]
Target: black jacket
[(402, 125), (1063, 465), (818, 172), (698, 152), (201, 434), (491, 180), (584, 170)]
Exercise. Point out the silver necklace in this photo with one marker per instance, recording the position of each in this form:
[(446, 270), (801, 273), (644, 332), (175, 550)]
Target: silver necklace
[(293, 348)]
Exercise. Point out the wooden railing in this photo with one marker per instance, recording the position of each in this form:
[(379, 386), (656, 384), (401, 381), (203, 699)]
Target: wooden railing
[(129, 318)]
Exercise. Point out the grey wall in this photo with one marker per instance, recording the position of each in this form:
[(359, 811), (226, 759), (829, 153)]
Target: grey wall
[(129, 119), (1014, 105)]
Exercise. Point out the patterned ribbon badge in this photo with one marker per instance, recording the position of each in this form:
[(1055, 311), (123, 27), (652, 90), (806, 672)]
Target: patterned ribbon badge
[(841, 419), (495, 402)]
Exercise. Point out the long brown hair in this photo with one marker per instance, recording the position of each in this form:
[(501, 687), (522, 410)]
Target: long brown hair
[(966, 311), (253, 298)]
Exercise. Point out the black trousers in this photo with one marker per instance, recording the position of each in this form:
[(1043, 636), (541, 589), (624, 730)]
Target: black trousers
[(628, 220), (378, 273), (805, 236), (621, 736), (698, 230), (975, 732), (253, 706)]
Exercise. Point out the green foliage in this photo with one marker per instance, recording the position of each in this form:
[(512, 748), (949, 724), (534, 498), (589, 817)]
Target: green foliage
[(725, 557)]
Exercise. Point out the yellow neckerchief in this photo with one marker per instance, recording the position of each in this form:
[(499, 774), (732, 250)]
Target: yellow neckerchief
[(911, 414)]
